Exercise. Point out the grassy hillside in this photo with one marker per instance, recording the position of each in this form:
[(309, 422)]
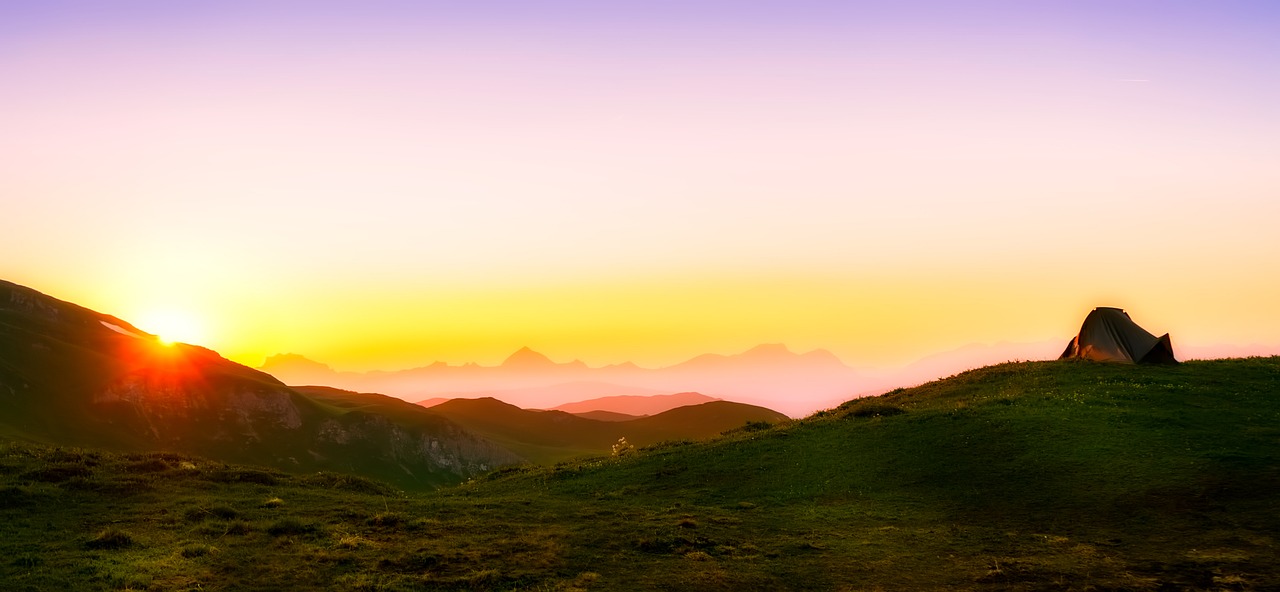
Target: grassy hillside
[(70, 376), (1032, 476), (551, 436)]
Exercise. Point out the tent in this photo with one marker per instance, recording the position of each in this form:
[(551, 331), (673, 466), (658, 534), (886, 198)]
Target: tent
[(1109, 335)]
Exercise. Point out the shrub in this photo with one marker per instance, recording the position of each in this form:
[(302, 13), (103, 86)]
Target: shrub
[(623, 447)]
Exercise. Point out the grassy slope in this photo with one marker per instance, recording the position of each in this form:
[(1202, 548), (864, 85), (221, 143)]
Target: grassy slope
[(57, 358), (550, 436), (1019, 476)]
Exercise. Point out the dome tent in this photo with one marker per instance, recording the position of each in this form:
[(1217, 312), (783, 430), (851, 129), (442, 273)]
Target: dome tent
[(1109, 335)]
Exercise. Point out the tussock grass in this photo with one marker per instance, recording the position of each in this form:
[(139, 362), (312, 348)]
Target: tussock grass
[(111, 538)]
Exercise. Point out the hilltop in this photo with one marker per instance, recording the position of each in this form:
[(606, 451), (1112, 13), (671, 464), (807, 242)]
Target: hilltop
[(1026, 476), (71, 376), (550, 436), (635, 404)]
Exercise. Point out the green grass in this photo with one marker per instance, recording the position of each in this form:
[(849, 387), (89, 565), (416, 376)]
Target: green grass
[(1030, 476)]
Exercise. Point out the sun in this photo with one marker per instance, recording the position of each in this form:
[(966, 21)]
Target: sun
[(173, 326)]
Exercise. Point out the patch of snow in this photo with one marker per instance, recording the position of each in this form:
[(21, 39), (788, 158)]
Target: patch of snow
[(120, 330)]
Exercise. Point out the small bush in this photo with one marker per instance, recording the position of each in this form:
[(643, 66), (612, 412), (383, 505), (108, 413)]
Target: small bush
[(111, 538), (623, 447), (274, 502)]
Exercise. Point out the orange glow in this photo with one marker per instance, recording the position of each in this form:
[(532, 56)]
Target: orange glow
[(173, 326)]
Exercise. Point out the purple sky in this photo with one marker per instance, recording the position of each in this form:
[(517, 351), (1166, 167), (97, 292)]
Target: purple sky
[(378, 183)]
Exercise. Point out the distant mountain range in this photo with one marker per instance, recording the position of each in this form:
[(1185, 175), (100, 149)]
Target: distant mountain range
[(70, 376), (770, 374)]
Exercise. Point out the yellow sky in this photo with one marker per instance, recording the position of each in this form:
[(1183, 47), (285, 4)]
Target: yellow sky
[(396, 186)]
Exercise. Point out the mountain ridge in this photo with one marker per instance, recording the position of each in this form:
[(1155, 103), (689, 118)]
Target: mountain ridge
[(769, 373), (635, 404), (78, 377)]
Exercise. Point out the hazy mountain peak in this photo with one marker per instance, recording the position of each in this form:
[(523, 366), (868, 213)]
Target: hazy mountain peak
[(527, 358), (822, 355), (292, 363)]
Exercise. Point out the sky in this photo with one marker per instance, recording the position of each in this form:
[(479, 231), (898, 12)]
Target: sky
[(380, 185)]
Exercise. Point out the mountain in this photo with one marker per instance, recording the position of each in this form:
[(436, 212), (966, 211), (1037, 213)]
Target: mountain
[(526, 397), (75, 377), (607, 416), (700, 421), (548, 436), (634, 404), (1020, 476), (771, 375)]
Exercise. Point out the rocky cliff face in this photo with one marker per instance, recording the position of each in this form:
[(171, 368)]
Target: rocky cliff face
[(73, 376)]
